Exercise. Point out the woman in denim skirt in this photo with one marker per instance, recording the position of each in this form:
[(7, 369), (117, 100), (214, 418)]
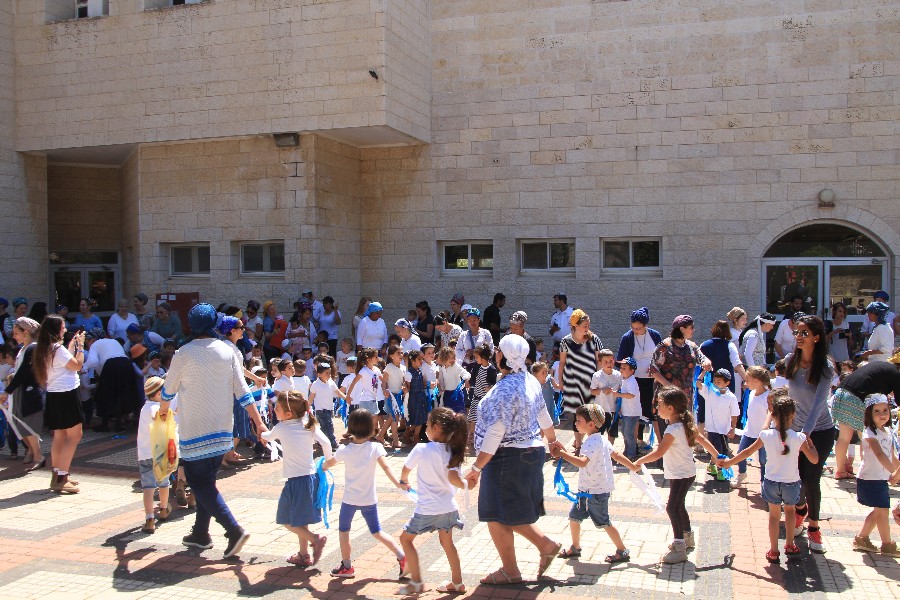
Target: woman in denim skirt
[(510, 459)]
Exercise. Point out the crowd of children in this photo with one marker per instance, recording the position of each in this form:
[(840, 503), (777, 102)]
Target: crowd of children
[(424, 399)]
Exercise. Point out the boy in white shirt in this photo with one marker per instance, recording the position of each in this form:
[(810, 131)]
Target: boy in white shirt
[(149, 484), (322, 393), (631, 406), (301, 379), (604, 384), (595, 481), (722, 413)]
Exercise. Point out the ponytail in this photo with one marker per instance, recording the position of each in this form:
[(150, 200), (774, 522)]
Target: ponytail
[(678, 400), (455, 432), (783, 409)]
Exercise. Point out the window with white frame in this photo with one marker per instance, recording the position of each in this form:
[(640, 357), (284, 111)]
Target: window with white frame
[(262, 258), (460, 257), (189, 259), (547, 255), (632, 254), (91, 8)]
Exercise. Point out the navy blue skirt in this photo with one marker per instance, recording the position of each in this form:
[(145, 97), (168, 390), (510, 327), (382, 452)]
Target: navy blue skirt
[(511, 491), (297, 503), (873, 493), (241, 422)]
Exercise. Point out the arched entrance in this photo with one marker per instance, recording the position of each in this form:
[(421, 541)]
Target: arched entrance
[(824, 263)]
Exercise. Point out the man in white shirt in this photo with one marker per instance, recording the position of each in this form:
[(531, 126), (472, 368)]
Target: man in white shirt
[(559, 322)]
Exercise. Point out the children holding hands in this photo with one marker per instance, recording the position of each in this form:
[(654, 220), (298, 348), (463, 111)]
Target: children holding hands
[(595, 480)]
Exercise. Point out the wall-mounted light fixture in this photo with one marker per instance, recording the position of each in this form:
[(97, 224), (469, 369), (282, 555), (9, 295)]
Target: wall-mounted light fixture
[(826, 198), (286, 140)]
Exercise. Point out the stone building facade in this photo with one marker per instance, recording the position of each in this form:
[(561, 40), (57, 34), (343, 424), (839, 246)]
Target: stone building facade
[(627, 153)]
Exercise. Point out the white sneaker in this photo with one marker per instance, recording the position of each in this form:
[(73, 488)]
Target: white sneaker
[(738, 480)]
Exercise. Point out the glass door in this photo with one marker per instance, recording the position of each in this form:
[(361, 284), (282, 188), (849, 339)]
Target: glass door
[(71, 283), (853, 283), (785, 279)]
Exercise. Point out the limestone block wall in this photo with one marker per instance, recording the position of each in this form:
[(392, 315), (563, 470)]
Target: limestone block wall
[(84, 208), (408, 66), (215, 69), (702, 123), (23, 188)]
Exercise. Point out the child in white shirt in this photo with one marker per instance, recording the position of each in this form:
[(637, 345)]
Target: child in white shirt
[(347, 350), (758, 407), (782, 482), (360, 457), (595, 481), (722, 412), (604, 384), (149, 483), (450, 376), (300, 378), (392, 379), (631, 410), (322, 393)]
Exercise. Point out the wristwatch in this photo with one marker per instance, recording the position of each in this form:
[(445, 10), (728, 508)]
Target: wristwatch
[(476, 468)]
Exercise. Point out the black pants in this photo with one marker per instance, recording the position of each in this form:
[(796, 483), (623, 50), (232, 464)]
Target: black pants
[(720, 441), (811, 473), (678, 515)]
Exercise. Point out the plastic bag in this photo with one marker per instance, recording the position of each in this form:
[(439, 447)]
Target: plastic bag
[(645, 483), (164, 444)]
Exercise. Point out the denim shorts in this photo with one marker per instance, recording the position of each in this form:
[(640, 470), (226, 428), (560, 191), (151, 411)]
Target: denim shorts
[(425, 523), (369, 513), (596, 506), (148, 479), (774, 492), (372, 407)]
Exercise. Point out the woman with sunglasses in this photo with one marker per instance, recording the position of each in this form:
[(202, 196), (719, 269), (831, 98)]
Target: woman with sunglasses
[(809, 372)]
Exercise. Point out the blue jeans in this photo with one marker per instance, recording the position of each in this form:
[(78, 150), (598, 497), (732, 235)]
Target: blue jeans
[(628, 427), (201, 476), (326, 423), (746, 442)]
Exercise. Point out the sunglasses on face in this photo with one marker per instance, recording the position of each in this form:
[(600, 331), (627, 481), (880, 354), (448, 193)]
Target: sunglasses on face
[(802, 333)]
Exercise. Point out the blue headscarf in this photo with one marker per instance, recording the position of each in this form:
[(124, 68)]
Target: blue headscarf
[(202, 319), (373, 307), (880, 310), (19, 301), (227, 325), (641, 315)]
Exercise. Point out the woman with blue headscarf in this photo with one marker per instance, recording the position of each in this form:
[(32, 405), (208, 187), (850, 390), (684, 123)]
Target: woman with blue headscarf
[(372, 332), (639, 343), (881, 342)]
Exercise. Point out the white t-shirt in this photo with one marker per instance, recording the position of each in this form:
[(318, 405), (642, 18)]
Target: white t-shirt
[(117, 325), (297, 443), (327, 324), (882, 338), (411, 343), (678, 461), (367, 388), (757, 409), (631, 407), (432, 481), (59, 378), (302, 384), (145, 422), (597, 476), (601, 380), (871, 468), (394, 376), (429, 373), (779, 382), (342, 357), (782, 468), (372, 334), (326, 392), (561, 319), (644, 347), (785, 337), (451, 376), (360, 461), (719, 409), (283, 384)]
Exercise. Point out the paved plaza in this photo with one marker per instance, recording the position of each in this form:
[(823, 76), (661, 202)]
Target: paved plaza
[(90, 545)]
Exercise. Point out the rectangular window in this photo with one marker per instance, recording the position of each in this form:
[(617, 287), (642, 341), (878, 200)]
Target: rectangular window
[(262, 259), (554, 255), (189, 260), (633, 254), (468, 257), (91, 8)]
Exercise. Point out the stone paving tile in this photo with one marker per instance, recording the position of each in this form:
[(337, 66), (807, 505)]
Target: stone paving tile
[(90, 546)]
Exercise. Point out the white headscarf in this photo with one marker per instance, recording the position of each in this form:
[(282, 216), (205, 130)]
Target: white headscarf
[(515, 351)]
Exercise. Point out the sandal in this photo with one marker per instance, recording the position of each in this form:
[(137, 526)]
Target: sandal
[(546, 559), (300, 560), (570, 552), (843, 475), (618, 557), (448, 587), (410, 589), (773, 556), (494, 578)]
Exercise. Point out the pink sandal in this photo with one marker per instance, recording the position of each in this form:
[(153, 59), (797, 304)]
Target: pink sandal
[(300, 560)]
